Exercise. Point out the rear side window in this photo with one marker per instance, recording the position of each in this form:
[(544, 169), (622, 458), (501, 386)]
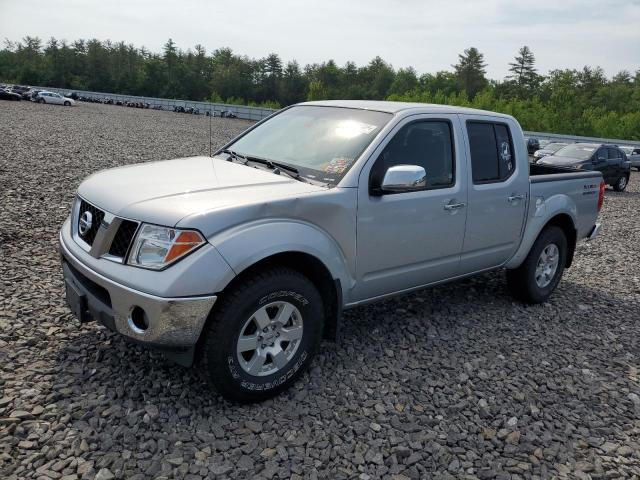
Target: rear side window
[(491, 152)]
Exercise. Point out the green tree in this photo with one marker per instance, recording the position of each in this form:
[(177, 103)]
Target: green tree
[(523, 71), (470, 71)]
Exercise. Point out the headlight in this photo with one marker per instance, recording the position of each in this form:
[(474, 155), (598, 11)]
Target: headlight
[(158, 247)]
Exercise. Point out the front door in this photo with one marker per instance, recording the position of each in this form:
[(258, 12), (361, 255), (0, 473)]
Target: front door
[(601, 163), (497, 190), (410, 239)]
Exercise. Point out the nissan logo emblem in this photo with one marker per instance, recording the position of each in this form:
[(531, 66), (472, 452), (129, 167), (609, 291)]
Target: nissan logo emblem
[(85, 223)]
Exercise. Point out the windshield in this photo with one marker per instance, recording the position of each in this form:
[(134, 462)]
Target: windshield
[(321, 142), (554, 147), (581, 152)]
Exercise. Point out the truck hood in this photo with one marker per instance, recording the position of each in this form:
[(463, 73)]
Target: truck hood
[(165, 192)]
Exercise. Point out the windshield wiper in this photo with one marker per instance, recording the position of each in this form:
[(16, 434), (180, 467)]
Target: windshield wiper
[(277, 167), (235, 156)]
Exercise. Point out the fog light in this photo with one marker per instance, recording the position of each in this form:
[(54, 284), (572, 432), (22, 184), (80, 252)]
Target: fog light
[(138, 320)]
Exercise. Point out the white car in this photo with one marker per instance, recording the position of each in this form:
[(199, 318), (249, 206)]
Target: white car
[(54, 98)]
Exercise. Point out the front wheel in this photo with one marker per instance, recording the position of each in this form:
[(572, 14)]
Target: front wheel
[(41, 100), (67, 104), (263, 335), (621, 184), (535, 280)]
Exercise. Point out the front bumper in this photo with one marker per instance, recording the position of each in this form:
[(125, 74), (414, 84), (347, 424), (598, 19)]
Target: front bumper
[(173, 324)]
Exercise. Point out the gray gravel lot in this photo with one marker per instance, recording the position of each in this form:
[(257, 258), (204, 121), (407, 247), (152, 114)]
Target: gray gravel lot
[(457, 381)]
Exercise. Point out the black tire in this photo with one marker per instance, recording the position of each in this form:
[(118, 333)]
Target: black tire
[(67, 104), (522, 280), (40, 100), (621, 183), (235, 308)]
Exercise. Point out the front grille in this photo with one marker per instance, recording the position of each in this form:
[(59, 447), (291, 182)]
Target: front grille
[(123, 238), (96, 219)]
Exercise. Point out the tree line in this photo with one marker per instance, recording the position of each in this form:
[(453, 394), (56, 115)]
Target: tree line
[(568, 101)]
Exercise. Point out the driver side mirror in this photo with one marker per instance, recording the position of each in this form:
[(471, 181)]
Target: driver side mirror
[(404, 178)]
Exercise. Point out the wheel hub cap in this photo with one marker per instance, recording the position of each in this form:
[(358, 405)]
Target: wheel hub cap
[(269, 339), (547, 265)]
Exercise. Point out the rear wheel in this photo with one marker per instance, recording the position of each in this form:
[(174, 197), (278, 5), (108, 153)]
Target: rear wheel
[(621, 184), (67, 104), (263, 335), (538, 276)]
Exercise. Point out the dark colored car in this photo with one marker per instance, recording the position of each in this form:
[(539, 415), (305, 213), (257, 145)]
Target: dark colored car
[(19, 89), (7, 95), (30, 94), (533, 144), (608, 159)]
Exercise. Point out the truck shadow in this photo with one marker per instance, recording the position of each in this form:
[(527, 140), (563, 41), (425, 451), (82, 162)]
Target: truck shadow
[(407, 343)]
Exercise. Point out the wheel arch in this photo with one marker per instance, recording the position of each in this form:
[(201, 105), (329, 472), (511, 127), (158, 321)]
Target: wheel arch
[(316, 271), (563, 220)]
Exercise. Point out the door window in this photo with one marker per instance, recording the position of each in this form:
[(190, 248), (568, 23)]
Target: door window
[(613, 153), (427, 144), (491, 148)]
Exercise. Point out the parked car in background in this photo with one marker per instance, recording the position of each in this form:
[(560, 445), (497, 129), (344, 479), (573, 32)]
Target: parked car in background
[(30, 94), (633, 154), (604, 158), (54, 99), (533, 144), (548, 149), (246, 260), (9, 95), (19, 89)]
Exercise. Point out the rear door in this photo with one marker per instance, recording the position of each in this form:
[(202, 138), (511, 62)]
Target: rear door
[(614, 161), (498, 187)]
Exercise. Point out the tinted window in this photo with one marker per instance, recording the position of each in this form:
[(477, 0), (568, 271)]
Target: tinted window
[(613, 153), (427, 144), (491, 152)]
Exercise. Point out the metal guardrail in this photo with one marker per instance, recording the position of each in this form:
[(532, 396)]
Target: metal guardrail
[(240, 111), (258, 113), (554, 137)]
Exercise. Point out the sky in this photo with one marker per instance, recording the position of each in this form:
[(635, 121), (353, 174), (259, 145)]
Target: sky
[(425, 34)]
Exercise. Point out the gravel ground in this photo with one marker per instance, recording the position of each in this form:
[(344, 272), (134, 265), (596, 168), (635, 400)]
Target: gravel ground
[(457, 381)]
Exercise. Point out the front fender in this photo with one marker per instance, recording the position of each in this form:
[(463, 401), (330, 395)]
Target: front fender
[(247, 244), (541, 211)]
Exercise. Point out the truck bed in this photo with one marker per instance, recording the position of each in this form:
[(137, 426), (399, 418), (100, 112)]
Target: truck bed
[(552, 173), (576, 190)]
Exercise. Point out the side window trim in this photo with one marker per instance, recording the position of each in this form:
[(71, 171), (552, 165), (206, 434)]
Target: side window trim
[(452, 140), (493, 123)]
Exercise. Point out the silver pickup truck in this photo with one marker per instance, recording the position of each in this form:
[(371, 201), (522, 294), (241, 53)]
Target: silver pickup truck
[(245, 261)]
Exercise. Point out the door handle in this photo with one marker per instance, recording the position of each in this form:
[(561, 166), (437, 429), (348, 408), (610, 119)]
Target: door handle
[(454, 206), (514, 198)]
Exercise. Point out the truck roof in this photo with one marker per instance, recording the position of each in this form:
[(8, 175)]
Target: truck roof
[(395, 107)]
